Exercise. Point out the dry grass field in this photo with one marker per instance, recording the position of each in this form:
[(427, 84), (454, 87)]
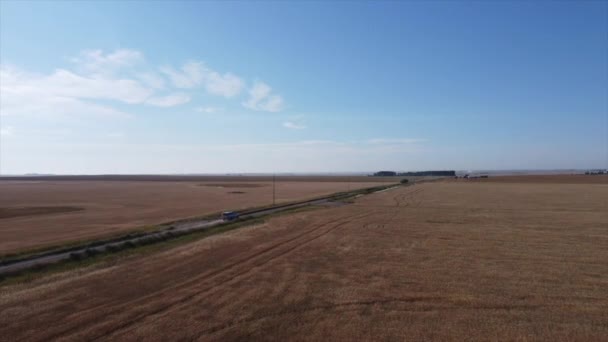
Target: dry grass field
[(546, 179), (47, 212), (437, 261)]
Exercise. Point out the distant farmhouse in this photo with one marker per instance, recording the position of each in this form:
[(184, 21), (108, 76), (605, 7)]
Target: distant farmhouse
[(418, 173)]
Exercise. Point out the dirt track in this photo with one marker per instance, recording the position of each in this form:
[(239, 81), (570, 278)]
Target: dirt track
[(441, 261), (111, 207)]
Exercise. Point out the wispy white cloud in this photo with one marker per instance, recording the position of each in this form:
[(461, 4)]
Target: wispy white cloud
[(62, 94), (261, 98), (151, 79), (64, 83), (97, 62), (226, 85), (169, 100), (208, 110), (190, 75), (293, 125), (193, 74), (66, 92), (98, 80)]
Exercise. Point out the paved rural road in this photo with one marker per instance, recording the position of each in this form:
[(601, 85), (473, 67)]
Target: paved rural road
[(177, 228)]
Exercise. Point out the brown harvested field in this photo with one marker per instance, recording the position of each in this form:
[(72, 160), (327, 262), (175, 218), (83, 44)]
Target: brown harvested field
[(33, 213), (558, 179), (436, 261), (236, 185)]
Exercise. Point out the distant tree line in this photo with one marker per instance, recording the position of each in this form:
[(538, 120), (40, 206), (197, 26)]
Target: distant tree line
[(596, 172), (417, 173)]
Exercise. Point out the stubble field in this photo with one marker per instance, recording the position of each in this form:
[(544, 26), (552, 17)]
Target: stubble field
[(48, 211), (437, 261)]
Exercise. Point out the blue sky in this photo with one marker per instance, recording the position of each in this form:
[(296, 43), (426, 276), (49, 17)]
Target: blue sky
[(206, 87)]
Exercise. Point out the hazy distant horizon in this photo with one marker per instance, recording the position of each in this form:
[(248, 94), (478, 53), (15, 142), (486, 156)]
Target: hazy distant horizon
[(346, 173)]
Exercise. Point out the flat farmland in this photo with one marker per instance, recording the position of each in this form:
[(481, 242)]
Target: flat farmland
[(56, 210), (440, 261), (546, 179)]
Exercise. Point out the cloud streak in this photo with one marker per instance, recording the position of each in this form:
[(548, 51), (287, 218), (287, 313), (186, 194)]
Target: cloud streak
[(96, 61), (63, 93), (100, 80), (261, 98), (169, 100), (293, 125), (189, 76), (194, 74)]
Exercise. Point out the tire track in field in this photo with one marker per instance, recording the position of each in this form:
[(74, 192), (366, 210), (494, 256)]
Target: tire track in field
[(184, 284), (405, 199), (390, 217), (331, 306), (93, 312), (186, 300), (433, 303), (398, 198), (415, 198), (418, 199), (208, 276)]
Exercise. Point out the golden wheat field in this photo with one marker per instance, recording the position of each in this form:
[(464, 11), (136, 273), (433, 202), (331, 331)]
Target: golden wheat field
[(436, 261)]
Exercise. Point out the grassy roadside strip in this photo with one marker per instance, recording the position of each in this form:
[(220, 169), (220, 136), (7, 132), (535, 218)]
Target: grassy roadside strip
[(76, 244), (112, 257), (141, 231)]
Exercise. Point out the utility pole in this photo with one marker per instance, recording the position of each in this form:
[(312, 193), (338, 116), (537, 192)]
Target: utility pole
[(273, 188)]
